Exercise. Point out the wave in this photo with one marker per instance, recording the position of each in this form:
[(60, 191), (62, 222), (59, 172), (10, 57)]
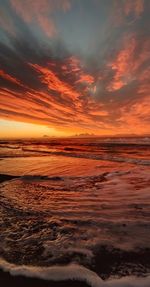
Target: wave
[(71, 272), (113, 150), (104, 157)]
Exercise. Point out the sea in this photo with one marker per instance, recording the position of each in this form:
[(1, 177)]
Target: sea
[(76, 209)]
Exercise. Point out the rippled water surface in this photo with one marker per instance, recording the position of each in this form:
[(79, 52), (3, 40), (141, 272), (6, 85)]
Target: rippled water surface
[(83, 201)]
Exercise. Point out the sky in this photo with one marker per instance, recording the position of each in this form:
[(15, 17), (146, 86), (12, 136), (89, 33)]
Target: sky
[(74, 66)]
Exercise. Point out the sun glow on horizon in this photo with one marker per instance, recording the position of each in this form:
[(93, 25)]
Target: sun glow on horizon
[(14, 129)]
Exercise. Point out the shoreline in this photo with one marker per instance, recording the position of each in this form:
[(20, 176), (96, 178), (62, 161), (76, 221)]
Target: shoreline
[(6, 279), (16, 281)]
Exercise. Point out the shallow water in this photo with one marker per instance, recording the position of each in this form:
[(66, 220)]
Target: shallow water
[(80, 201)]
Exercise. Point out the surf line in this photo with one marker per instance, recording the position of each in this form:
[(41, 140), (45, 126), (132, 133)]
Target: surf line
[(55, 273), (72, 271)]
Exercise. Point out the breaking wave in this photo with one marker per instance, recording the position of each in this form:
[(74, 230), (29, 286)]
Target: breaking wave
[(134, 151)]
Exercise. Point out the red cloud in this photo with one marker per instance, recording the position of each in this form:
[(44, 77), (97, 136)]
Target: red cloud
[(86, 78), (126, 64), (135, 118), (122, 65), (54, 83), (9, 78)]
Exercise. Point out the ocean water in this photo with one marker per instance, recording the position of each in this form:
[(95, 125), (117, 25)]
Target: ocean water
[(76, 208)]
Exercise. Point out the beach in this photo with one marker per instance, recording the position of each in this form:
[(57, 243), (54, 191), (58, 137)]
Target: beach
[(81, 207)]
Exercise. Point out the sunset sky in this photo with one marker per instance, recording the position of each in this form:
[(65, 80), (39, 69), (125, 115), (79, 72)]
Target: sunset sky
[(74, 66)]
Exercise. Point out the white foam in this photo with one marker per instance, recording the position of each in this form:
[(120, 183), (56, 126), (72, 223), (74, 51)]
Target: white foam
[(129, 281), (73, 272), (55, 273)]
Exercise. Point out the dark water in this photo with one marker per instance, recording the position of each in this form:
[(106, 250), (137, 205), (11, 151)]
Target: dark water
[(84, 202)]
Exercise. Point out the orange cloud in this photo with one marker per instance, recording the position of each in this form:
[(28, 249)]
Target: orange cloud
[(135, 119), (126, 65), (86, 78), (121, 66), (54, 83), (27, 109), (9, 78), (66, 85), (42, 108)]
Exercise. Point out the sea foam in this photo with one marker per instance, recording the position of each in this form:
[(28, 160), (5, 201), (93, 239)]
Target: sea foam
[(72, 272)]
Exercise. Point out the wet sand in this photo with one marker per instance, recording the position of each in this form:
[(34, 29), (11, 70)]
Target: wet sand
[(10, 281), (20, 281)]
